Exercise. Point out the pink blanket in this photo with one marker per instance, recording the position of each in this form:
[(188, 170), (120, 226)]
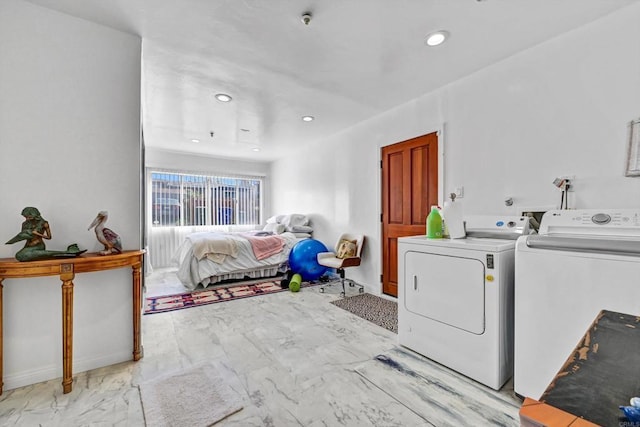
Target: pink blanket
[(264, 246)]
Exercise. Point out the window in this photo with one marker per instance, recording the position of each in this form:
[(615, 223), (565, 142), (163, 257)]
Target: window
[(180, 199)]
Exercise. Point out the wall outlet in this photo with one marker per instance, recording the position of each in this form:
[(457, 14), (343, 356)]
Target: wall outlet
[(570, 179), (459, 192)]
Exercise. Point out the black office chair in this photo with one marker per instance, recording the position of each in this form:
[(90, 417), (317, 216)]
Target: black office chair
[(348, 252)]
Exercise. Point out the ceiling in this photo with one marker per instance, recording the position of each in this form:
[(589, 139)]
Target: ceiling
[(354, 60)]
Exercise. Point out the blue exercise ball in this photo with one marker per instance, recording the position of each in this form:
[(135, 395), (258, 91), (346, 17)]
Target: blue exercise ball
[(303, 259)]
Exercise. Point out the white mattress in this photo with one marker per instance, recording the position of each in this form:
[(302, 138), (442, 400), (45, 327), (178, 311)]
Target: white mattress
[(191, 272)]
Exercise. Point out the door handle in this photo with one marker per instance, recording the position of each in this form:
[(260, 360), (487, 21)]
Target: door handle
[(415, 283)]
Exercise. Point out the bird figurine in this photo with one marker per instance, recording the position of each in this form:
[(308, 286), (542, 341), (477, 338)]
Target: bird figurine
[(110, 240)]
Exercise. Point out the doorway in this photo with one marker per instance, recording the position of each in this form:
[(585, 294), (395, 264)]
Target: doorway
[(409, 189)]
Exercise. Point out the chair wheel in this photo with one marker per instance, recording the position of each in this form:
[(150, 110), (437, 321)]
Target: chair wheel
[(342, 294), (351, 284), (322, 290), (361, 290)]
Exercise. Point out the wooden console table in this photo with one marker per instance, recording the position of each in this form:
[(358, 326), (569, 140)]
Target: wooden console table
[(66, 268)]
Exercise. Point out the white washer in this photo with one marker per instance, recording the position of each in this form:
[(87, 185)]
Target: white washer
[(583, 261), (455, 298)]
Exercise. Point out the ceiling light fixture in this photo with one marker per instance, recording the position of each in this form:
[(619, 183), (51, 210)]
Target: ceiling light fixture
[(223, 97), (308, 118), (195, 140), (256, 149), (436, 38)]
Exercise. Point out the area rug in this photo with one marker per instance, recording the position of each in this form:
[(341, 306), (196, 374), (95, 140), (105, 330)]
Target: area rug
[(160, 304), (376, 310), (198, 397)]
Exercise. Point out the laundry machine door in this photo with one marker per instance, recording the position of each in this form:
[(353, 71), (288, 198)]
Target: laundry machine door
[(446, 289)]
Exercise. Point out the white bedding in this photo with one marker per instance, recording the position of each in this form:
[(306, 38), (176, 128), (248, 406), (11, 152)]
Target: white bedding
[(192, 271)]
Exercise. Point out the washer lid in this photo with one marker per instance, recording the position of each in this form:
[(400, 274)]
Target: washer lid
[(575, 244), (469, 244)]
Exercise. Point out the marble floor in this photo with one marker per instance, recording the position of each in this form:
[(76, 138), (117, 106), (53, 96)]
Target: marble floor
[(297, 360)]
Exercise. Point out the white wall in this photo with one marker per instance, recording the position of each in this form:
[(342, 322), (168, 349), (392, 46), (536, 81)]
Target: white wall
[(560, 108), (70, 146), (175, 160)]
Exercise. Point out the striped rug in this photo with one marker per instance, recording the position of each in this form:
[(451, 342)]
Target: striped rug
[(161, 304)]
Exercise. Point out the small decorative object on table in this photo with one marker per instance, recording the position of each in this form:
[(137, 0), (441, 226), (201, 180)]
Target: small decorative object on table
[(632, 412), (110, 240), (35, 230)]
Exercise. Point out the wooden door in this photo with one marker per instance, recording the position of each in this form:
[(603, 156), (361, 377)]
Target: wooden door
[(409, 189)]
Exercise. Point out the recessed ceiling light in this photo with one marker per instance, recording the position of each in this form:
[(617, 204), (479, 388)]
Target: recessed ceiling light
[(308, 118), (195, 140), (223, 97), (436, 38), (256, 149)]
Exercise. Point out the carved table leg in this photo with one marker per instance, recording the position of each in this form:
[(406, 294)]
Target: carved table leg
[(137, 301), (67, 276)]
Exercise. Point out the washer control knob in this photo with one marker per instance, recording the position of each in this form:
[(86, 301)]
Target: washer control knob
[(511, 224), (601, 218)]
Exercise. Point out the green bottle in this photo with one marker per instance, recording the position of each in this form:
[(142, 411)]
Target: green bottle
[(434, 224)]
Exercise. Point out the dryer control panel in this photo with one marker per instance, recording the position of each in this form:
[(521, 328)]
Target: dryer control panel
[(490, 226)]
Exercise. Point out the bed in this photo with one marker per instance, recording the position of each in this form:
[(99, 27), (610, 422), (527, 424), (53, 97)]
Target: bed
[(207, 258)]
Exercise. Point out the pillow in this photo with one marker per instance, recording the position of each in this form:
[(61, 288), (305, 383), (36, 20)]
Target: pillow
[(276, 219), (302, 235), (294, 219), (299, 229), (347, 248), (275, 228)]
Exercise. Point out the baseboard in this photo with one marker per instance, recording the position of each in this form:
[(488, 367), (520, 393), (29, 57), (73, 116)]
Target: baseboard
[(33, 376), (52, 372)]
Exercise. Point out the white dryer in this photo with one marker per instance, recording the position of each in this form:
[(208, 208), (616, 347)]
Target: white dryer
[(582, 261), (455, 298)]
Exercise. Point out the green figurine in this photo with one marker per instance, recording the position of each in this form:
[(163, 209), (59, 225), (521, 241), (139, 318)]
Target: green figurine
[(34, 230)]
